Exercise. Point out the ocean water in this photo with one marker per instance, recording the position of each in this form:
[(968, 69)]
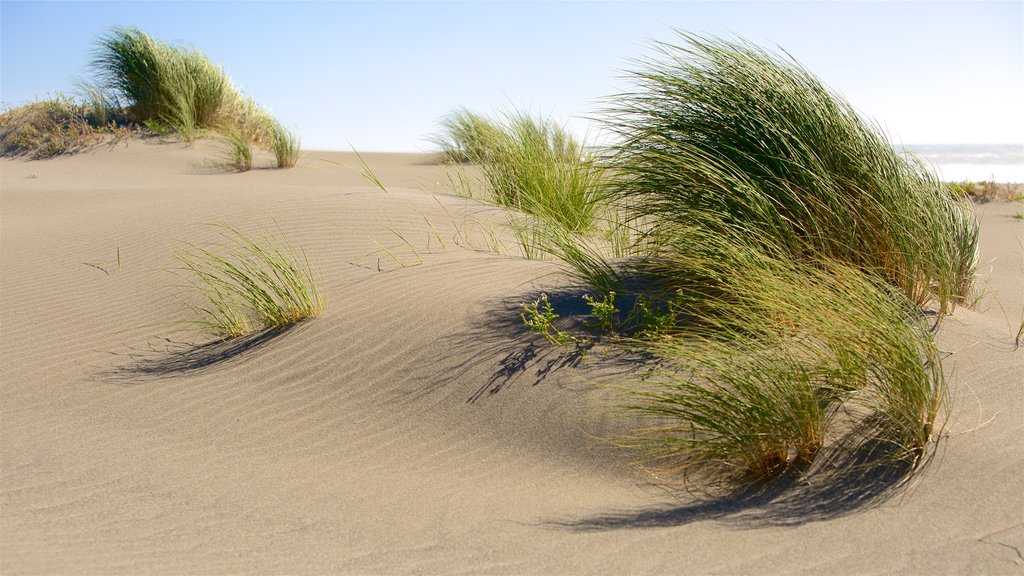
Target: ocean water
[(977, 162)]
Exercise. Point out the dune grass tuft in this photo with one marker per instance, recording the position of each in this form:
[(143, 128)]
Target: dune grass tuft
[(175, 85), (781, 253), (250, 283), (237, 148), (284, 143), (735, 130), (466, 136), (767, 352), (529, 165), (179, 87)]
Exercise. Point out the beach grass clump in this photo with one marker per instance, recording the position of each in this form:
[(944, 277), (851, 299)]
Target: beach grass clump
[(250, 283), (779, 360), (164, 85), (161, 82), (731, 129), (467, 137), (285, 144), (237, 148), (783, 254), (531, 166)]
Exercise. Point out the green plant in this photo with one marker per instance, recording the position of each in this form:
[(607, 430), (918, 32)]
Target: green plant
[(604, 310), (539, 318), (238, 148), (174, 85), (777, 359), (249, 283), (750, 141), (466, 136), (530, 165), (650, 322), (285, 144)]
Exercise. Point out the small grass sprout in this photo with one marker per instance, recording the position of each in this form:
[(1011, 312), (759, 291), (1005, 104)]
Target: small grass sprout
[(250, 283)]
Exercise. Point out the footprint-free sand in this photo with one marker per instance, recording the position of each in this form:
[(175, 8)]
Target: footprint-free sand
[(414, 427)]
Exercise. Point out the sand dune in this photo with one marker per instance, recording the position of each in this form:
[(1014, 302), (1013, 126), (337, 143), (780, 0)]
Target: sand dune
[(414, 427)]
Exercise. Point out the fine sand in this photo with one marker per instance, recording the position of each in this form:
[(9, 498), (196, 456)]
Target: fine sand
[(414, 427)]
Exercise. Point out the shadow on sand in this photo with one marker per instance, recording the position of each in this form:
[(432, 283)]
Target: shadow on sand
[(165, 357), (855, 472)]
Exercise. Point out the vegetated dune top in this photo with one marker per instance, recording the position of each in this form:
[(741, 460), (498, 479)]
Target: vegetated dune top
[(414, 426)]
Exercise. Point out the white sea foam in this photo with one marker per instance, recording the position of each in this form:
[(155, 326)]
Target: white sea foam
[(957, 162)]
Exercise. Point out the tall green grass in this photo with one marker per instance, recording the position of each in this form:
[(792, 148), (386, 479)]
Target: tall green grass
[(179, 87), (158, 81), (788, 252), (466, 136), (749, 135), (284, 143), (249, 283), (237, 148), (768, 352), (530, 165)]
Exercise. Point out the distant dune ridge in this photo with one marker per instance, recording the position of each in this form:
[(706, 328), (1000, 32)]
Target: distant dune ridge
[(414, 426)]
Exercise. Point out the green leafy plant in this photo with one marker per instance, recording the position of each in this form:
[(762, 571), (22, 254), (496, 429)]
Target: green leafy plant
[(539, 317), (604, 310)]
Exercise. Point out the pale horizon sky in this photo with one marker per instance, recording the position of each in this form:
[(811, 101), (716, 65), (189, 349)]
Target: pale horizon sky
[(379, 76)]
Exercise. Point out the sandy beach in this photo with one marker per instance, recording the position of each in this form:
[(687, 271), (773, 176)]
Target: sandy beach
[(415, 426)]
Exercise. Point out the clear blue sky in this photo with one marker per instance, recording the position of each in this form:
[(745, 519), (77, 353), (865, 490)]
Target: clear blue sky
[(379, 75)]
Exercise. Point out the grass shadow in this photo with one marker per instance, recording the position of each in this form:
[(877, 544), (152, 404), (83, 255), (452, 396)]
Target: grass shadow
[(500, 346), (172, 357), (849, 481)]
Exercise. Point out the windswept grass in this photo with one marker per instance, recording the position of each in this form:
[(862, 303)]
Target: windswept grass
[(531, 166), (237, 148), (785, 252), (730, 129), (166, 85), (466, 136), (250, 283), (773, 358), (157, 81), (285, 144)]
